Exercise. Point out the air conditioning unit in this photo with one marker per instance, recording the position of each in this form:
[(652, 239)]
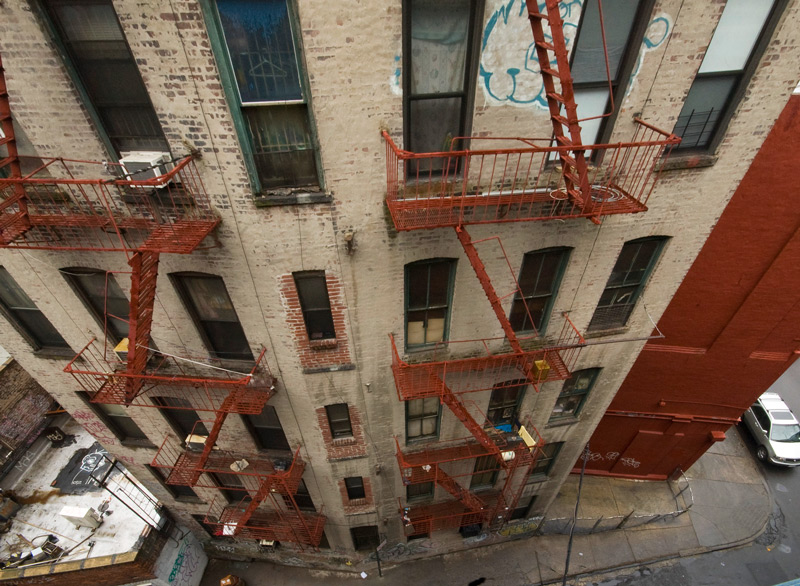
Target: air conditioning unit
[(195, 443), (121, 350), (145, 165)]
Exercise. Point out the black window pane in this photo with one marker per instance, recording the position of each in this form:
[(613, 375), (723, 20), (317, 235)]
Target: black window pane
[(551, 262), (181, 415), (93, 38), (229, 341), (267, 429), (103, 296), (312, 290), (339, 420), (417, 278), (40, 329), (702, 109), (365, 538), (434, 124), (588, 64), (259, 38), (355, 487), (439, 284)]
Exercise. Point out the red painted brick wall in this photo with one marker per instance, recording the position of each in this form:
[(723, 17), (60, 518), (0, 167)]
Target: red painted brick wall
[(318, 354), (352, 506), (730, 330)]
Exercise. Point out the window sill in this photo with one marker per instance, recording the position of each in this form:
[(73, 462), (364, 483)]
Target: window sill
[(561, 422), (357, 502), (343, 441), (415, 441), (55, 353), (696, 160), (283, 197), (133, 443), (608, 332), (325, 344), (335, 368)]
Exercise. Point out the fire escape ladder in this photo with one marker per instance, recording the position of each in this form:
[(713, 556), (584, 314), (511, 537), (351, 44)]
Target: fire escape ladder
[(447, 482), (483, 277), (143, 296), (14, 224), (211, 440), (458, 409), (566, 130), (264, 487)]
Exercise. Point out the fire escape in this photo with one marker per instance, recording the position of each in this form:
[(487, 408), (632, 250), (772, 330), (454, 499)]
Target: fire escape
[(506, 180), (75, 205)]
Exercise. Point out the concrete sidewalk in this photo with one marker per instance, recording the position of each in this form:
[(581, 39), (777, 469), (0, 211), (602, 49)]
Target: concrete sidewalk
[(727, 504)]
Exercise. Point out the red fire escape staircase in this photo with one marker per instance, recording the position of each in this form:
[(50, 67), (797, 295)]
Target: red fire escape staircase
[(566, 130)]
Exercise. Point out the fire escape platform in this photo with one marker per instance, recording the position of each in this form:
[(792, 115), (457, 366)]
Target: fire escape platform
[(452, 514), (466, 375), (299, 527), (83, 205), (518, 179), (105, 380)]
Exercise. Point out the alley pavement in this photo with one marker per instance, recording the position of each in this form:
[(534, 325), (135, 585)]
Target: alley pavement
[(721, 502)]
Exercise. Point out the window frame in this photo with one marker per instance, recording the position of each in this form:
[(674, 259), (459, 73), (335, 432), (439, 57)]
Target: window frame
[(499, 390), (253, 428), (219, 47), (471, 62), (603, 323), (335, 434), (568, 391), (103, 317), (354, 486), (540, 472), (55, 34), (22, 327), (423, 437), (167, 412), (174, 489), (180, 284), (565, 252), (422, 495), (484, 473), (314, 278), (630, 56), (739, 90), (451, 262), (109, 421)]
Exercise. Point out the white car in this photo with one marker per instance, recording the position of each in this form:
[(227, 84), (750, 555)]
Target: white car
[(775, 430)]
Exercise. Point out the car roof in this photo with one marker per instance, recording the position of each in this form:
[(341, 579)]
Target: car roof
[(778, 411)]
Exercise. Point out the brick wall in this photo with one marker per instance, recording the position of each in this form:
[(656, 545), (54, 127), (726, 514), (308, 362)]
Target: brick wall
[(315, 355), (362, 505), (343, 448)]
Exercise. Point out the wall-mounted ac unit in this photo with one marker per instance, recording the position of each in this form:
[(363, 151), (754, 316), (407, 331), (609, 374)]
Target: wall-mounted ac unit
[(195, 442), (144, 165)]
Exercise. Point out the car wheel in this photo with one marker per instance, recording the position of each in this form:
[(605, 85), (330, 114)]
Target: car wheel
[(761, 453)]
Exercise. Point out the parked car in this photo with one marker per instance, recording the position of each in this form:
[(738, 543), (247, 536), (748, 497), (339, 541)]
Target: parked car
[(775, 430)]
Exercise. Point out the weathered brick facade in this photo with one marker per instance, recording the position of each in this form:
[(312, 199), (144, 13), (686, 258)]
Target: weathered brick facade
[(352, 58)]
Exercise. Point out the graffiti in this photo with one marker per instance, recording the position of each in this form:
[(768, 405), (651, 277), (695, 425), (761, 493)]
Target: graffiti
[(225, 548), (632, 462), (185, 566), (657, 32), (521, 528), (394, 80), (416, 547), (479, 538), (94, 427), (24, 462), (509, 72), (127, 459), (596, 456), (293, 562)]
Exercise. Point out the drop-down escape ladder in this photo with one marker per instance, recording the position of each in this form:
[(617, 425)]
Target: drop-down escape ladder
[(566, 130), (211, 440), (144, 275), (447, 482)]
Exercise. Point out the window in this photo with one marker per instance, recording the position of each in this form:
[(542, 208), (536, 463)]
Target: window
[(439, 65), (739, 39), (523, 508), (23, 314), (484, 474), (231, 487), (573, 394), (207, 527), (339, 420), (210, 306), (539, 278), (428, 294), (365, 538), (355, 487), (302, 498), (116, 418), (419, 492), (422, 418), (176, 491), (504, 402), (267, 430), (313, 293), (259, 61), (545, 461), (102, 295), (626, 283), (181, 416), (624, 22), (101, 60)]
